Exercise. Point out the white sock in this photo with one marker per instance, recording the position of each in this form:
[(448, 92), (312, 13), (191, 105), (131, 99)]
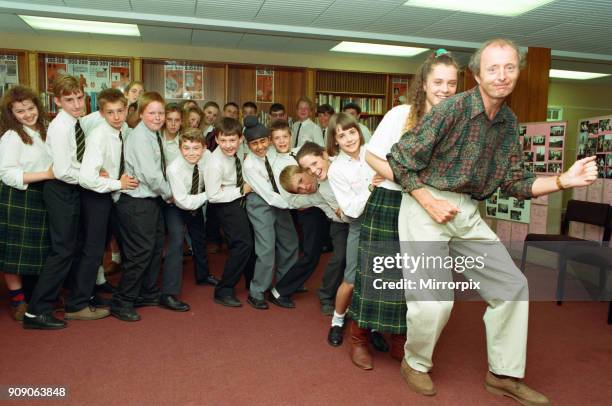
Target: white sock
[(116, 257), (100, 279), (338, 319)]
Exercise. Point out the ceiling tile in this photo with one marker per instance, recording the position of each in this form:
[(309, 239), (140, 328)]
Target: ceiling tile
[(117, 5), (228, 9), (354, 14), (167, 7), (292, 12)]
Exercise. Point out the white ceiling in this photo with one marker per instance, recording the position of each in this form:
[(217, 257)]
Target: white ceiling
[(574, 29)]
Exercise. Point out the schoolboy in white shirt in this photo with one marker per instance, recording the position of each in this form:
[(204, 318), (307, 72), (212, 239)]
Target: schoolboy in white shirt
[(226, 189), (275, 236)]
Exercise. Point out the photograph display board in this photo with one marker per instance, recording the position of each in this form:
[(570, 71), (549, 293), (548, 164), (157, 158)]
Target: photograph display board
[(595, 138), (542, 144), (184, 82), (264, 85), (9, 72), (93, 74)]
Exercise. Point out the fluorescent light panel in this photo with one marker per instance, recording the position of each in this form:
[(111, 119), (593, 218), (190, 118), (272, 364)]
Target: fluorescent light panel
[(376, 49), (92, 27), (571, 74), (508, 8)]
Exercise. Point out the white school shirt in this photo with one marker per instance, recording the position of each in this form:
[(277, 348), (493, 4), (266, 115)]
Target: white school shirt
[(180, 176), (62, 147), (143, 162), (327, 193), (17, 158), (306, 130), (102, 151), (350, 180), (256, 175), (389, 132), (91, 121), (171, 148), (220, 178)]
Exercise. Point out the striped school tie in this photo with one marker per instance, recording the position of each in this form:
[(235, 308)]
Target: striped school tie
[(297, 135), (122, 159), (195, 180), (161, 151), (79, 136), (271, 175), (239, 179)]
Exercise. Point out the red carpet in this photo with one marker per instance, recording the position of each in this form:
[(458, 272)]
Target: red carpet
[(214, 355)]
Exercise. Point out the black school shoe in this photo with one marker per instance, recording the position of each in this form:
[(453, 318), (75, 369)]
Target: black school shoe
[(335, 336), (229, 301), (378, 342), (43, 322), (281, 301), (259, 304)]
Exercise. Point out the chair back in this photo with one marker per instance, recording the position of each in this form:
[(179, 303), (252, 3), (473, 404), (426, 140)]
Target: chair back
[(597, 214)]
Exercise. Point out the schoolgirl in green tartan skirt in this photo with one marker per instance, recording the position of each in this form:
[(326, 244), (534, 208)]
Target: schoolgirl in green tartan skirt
[(24, 166)]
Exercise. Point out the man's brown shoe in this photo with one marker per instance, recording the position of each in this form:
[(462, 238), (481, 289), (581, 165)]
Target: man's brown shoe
[(515, 389), (418, 381), (87, 313)]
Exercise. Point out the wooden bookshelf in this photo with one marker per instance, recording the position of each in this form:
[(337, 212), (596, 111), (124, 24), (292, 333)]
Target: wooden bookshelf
[(369, 90)]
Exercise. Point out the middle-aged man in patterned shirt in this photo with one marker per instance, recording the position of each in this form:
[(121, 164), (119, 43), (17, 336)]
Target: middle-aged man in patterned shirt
[(461, 152)]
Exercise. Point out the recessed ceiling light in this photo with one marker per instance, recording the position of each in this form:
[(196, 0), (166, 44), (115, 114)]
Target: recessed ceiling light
[(508, 8), (376, 49), (571, 74), (92, 27)]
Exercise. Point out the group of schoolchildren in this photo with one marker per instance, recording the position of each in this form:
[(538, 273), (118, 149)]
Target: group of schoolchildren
[(146, 178)]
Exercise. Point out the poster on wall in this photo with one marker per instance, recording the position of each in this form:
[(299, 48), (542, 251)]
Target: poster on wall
[(595, 138), (542, 144), (264, 85), (9, 72), (94, 75), (399, 90), (184, 82)]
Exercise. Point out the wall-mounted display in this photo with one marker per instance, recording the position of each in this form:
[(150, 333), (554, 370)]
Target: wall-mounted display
[(264, 85), (184, 82), (542, 145), (9, 72), (94, 74)]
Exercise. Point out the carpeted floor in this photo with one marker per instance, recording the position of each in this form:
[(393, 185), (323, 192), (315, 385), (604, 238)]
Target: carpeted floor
[(214, 355)]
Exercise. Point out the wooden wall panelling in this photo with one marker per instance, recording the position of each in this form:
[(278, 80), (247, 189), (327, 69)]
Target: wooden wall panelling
[(529, 100), (241, 84), (289, 86)]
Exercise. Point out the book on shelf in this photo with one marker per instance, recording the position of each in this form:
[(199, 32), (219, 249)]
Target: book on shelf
[(369, 105)]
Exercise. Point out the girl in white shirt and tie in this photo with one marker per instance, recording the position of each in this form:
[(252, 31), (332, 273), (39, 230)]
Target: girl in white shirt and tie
[(24, 166)]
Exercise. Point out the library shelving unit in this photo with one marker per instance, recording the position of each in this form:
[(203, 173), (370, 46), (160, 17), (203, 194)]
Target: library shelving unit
[(369, 90)]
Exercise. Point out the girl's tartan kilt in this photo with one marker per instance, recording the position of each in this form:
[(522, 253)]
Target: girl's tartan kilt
[(24, 234), (369, 309)]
